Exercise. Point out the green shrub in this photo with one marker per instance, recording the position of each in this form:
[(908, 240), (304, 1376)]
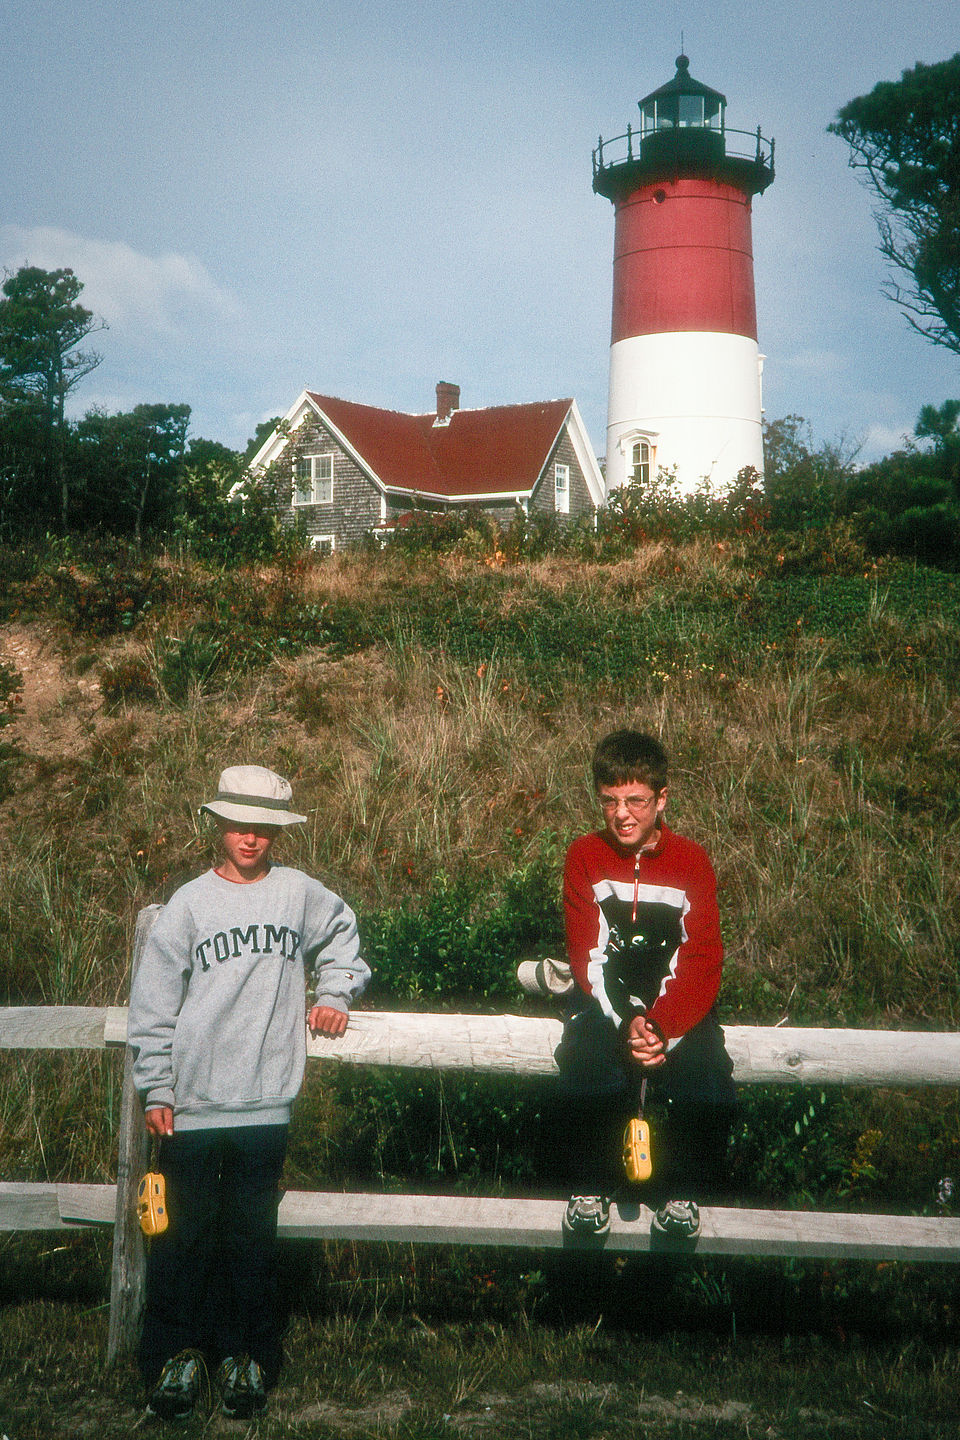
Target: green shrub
[(929, 533), (191, 662), (111, 600), (227, 523), (19, 566), (656, 509), (460, 944), (129, 680), (11, 685), (434, 532), (805, 484)]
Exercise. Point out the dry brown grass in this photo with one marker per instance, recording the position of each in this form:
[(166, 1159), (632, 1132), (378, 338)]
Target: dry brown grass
[(822, 777), (824, 788)]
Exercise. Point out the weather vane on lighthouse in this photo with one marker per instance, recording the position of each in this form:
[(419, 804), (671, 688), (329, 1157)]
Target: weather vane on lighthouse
[(685, 364)]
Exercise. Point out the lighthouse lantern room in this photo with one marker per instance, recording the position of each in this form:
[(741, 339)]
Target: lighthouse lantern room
[(685, 365)]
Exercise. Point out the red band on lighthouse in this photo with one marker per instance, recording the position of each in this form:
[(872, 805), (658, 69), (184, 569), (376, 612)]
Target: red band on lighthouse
[(683, 260)]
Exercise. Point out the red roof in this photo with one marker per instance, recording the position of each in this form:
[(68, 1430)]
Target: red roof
[(502, 449)]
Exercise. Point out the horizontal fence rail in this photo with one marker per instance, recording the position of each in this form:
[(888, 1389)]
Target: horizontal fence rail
[(518, 1045), (534, 1224), (525, 1045)]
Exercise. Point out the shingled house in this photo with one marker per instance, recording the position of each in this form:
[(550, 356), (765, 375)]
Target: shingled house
[(354, 469)]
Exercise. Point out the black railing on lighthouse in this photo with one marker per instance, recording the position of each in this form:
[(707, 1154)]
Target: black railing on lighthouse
[(634, 147)]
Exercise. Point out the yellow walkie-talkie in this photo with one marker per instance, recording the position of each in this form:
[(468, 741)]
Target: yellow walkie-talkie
[(637, 1155), (637, 1160), (152, 1198), (152, 1203)]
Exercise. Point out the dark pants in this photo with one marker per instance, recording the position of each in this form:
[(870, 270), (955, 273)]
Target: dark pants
[(212, 1275), (690, 1104)]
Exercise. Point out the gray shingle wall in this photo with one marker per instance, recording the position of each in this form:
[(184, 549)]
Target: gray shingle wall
[(544, 496), (356, 500)]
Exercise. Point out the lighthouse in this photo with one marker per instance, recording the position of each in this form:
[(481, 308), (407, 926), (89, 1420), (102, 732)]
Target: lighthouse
[(685, 365)]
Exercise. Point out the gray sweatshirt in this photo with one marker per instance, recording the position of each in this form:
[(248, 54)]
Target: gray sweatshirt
[(217, 1009)]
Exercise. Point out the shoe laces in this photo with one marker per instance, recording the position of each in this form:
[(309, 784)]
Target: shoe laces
[(679, 1215), (242, 1375), (184, 1372)]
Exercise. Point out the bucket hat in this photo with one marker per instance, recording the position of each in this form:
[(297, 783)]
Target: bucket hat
[(253, 795), (545, 977)]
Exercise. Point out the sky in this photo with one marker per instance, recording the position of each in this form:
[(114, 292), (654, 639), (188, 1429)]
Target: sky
[(363, 199)]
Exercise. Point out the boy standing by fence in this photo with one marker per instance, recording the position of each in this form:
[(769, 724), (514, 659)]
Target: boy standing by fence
[(643, 940), (217, 1027)]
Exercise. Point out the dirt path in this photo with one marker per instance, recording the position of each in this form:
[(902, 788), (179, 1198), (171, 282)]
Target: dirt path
[(57, 708)]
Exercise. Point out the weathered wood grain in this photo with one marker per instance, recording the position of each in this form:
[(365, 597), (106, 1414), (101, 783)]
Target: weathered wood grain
[(479, 1220), (128, 1270), (29, 1207), (52, 1027), (525, 1045)]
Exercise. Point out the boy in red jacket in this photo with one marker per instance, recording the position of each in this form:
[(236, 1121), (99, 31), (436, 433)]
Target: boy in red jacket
[(643, 940)]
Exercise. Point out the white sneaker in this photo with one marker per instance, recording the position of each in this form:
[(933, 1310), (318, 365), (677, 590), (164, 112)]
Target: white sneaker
[(182, 1383), (678, 1219), (587, 1215)]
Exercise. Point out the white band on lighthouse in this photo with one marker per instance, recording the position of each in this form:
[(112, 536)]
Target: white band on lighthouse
[(695, 397)]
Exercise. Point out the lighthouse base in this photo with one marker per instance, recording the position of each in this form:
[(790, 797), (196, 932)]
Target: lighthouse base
[(695, 400)]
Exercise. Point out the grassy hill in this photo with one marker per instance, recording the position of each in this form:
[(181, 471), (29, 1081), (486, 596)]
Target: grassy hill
[(436, 713)]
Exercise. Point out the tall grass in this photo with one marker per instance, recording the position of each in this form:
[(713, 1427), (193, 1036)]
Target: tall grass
[(376, 1369), (436, 718)]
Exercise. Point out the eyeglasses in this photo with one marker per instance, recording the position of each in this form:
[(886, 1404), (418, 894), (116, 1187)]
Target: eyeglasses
[(638, 805)]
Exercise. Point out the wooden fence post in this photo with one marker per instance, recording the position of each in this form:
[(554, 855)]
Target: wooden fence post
[(128, 1268)]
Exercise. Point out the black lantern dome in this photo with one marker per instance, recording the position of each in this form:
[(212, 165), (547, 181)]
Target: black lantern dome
[(683, 132), (682, 104)]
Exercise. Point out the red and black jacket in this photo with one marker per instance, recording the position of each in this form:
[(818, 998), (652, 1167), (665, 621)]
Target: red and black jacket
[(643, 930)]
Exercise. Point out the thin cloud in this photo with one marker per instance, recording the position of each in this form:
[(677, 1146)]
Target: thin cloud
[(884, 439), (814, 362), (131, 291)]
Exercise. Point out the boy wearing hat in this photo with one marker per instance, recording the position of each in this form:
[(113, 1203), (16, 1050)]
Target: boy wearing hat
[(217, 1029)]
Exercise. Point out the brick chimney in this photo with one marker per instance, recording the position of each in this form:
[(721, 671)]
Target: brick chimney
[(448, 400)]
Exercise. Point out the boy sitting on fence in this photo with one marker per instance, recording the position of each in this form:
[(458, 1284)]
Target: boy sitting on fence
[(217, 1027), (643, 940)]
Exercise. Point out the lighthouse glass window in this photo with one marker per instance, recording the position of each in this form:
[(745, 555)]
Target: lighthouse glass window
[(313, 483), (691, 112), (696, 112)]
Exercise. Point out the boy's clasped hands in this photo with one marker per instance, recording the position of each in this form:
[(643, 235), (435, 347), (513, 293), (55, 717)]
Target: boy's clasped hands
[(644, 1043)]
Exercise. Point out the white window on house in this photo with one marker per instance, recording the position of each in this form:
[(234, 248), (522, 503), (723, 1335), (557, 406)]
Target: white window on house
[(313, 480), (561, 487), (641, 460), (324, 544)]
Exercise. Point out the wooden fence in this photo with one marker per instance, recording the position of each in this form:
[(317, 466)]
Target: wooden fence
[(492, 1044)]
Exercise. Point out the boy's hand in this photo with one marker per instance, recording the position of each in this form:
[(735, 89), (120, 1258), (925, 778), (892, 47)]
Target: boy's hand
[(324, 1020), (644, 1044), (159, 1121)]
